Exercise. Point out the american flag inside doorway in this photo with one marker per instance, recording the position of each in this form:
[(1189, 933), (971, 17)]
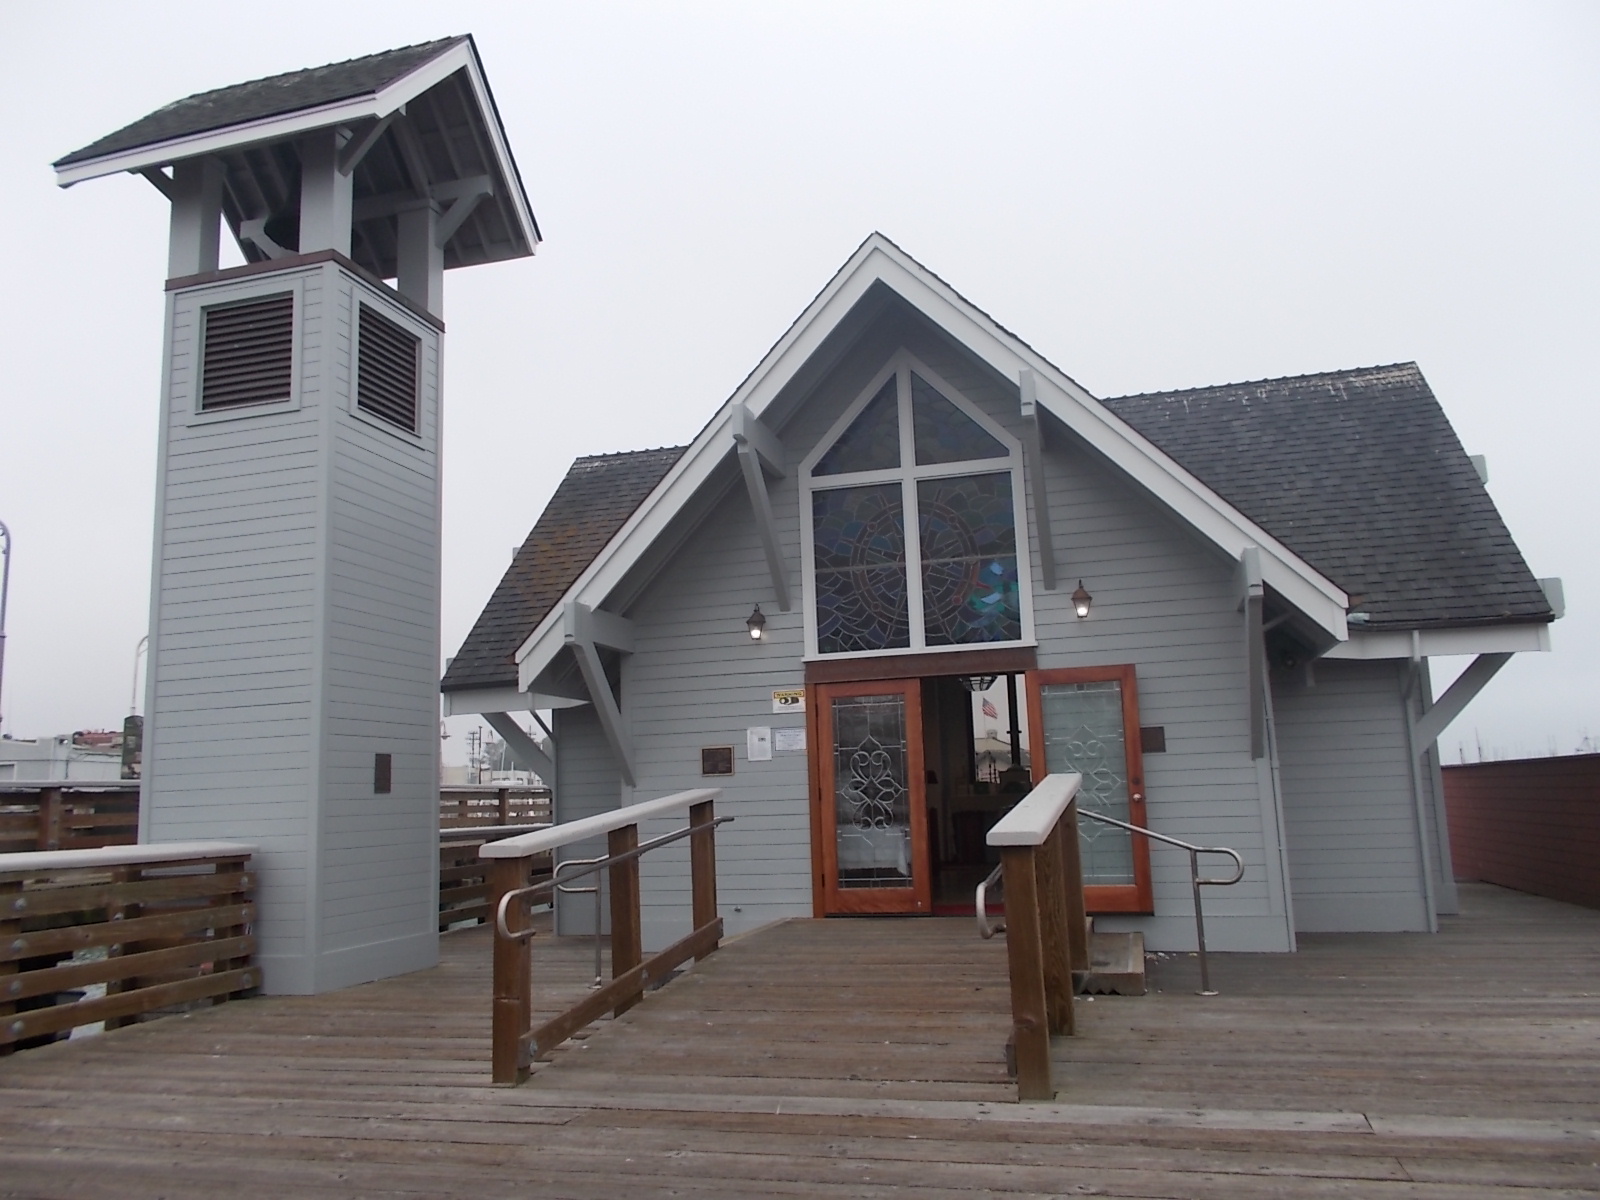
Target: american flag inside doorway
[(989, 710)]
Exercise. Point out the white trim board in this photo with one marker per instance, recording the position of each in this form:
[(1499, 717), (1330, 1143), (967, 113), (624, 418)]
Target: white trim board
[(879, 260), (1435, 643)]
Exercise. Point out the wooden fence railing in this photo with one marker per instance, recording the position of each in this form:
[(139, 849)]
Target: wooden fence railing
[(463, 806), (515, 1040), (115, 933), (1046, 936), (464, 874), (68, 816)]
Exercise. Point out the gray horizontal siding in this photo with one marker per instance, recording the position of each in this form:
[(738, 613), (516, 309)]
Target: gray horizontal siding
[(1353, 853)]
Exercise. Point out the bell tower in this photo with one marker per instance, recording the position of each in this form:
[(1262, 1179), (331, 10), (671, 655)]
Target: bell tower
[(292, 695)]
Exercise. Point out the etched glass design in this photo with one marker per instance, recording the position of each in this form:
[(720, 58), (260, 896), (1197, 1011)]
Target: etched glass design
[(872, 440), (1083, 732), (871, 795), (942, 432), (859, 539), (968, 539)]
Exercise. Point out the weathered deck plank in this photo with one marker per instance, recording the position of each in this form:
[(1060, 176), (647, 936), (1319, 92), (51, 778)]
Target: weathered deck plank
[(864, 1059)]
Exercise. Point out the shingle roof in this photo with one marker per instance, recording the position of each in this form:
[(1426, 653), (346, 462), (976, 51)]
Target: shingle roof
[(261, 98), (598, 495), (1360, 474)]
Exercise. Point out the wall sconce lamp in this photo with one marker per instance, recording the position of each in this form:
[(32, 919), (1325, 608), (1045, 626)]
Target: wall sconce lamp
[(757, 625), (1081, 600)]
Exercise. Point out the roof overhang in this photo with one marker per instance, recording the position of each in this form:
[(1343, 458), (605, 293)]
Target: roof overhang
[(375, 105), (880, 261), (1434, 643)]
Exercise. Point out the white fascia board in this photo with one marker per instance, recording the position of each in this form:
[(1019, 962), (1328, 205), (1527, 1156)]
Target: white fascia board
[(375, 105), (473, 701), (1435, 643), (877, 260)]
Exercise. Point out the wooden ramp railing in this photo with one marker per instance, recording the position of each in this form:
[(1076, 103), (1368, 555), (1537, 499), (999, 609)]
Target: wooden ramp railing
[(154, 926), (1046, 935), (515, 1040)]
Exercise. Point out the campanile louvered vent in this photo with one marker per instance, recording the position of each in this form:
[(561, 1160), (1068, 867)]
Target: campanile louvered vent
[(248, 356), (386, 381)]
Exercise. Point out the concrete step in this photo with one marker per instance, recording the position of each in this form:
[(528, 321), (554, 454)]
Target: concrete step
[(1116, 965)]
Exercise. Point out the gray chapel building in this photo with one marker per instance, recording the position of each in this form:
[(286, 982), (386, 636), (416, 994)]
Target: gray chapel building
[(1219, 605)]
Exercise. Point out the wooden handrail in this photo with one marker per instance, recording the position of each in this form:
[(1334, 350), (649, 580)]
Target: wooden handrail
[(515, 1042), (1046, 935), (166, 924)]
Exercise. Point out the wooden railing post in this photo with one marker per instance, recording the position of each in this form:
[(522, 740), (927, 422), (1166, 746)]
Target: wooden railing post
[(703, 867), (513, 973), (1072, 888), (50, 819), (627, 934), (10, 929), (505, 806), (1058, 987), (1030, 1018)]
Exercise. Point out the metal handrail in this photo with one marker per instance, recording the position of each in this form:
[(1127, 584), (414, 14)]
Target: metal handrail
[(598, 865), (1195, 879), (555, 875), (981, 905), (986, 930)]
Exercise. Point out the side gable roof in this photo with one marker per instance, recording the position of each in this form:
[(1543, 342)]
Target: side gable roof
[(261, 98), (1360, 473), (598, 494)]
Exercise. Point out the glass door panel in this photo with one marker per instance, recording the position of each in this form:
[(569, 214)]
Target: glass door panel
[(872, 805), (1087, 720)]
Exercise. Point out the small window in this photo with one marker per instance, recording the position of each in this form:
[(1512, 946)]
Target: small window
[(248, 354), (386, 373)]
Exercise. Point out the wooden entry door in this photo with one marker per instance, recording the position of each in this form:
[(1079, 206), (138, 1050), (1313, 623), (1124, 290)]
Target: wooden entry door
[(871, 814), (1086, 719)]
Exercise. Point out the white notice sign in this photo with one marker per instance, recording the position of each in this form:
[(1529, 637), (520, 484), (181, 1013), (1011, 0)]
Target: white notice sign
[(758, 743), (789, 739), (789, 700)]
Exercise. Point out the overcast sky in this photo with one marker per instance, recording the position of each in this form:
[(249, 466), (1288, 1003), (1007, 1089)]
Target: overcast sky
[(1154, 196)]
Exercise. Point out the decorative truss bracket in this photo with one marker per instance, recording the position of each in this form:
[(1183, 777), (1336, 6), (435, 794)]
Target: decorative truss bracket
[(1456, 697), (761, 453), (1033, 464), (585, 630), (1252, 598), (523, 748)]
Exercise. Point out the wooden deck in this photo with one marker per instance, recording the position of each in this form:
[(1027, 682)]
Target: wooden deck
[(864, 1059)]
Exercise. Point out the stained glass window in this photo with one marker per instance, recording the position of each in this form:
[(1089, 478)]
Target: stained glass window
[(858, 535), (968, 537), (929, 556), (943, 433), (872, 442)]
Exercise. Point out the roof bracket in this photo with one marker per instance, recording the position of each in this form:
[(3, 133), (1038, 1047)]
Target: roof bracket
[(760, 451), (356, 149), (523, 748), (1456, 697), (1252, 598), (461, 208), (254, 231), (584, 631), (1033, 465), (162, 181)]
